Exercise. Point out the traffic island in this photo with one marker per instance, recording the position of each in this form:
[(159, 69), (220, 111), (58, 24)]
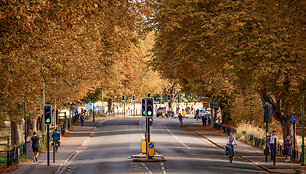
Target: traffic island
[(144, 158)]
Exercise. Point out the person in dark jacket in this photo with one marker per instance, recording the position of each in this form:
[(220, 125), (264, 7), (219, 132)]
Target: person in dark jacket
[(287, 148), (204, 120)]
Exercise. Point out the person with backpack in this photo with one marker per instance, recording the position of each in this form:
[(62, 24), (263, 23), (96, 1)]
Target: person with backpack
[(56, 136)]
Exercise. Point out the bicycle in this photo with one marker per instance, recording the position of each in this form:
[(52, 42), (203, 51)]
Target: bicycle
[(230, 152)]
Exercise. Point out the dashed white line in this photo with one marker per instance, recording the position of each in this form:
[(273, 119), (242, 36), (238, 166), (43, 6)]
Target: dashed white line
[(146, 168), (163, 168), (178, 139)]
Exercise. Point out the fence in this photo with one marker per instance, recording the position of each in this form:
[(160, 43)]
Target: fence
[(10, 156), (257, 142)]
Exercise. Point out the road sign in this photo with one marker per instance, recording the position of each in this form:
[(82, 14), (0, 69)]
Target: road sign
[(294, 119), (151, 145)]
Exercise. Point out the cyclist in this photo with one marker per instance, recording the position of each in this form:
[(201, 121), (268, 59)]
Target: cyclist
[(231, 141), (56, 138)]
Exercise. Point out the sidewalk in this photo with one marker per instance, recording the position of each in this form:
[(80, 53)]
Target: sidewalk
[(247, 152), (71, 144)]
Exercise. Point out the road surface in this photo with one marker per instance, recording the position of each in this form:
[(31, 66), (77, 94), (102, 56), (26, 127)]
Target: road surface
[(118, 138)]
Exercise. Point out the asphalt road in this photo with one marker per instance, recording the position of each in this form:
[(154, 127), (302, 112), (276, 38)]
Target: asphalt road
[(117, 139)]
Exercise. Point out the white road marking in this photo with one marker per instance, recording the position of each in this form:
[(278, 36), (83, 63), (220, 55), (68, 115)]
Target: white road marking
[(163, 168), (178, 139), (146, 168)]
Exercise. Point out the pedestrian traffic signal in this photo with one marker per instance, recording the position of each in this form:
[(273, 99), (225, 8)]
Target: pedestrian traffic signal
[(150, 106), (123, 98), (48, 114), (169, 97), (143, 107)]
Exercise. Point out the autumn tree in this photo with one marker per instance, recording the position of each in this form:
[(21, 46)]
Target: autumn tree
[(230, 48)]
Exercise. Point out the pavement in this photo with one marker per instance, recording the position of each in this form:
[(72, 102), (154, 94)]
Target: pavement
[(71, 144), (246, 152)]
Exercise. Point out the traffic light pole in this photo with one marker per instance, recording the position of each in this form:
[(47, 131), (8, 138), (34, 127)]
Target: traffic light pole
[(267, 147), (43, 123), (48, 145), (124, 108)]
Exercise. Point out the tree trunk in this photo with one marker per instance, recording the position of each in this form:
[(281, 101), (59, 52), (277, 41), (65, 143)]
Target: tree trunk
[(34, 124), (16, 133), (109, 105), (286, 127)]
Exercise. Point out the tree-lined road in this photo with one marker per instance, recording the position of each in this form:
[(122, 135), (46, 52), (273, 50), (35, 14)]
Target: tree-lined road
[(118, 138)]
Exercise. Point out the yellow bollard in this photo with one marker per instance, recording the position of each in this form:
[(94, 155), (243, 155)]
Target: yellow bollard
[(143, 146)]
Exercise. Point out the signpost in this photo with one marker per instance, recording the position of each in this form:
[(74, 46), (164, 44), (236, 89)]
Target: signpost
[(294, 120)]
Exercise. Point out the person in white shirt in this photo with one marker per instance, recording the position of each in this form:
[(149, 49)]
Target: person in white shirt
[(273, 139), (231, 141)]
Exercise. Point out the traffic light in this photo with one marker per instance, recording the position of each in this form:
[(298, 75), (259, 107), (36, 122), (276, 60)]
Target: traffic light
[(150, 106), (169, 97), (178, 98), (268, 138), (134, 98), (143, 107), (123, 98), (267, 113), (48, 113)]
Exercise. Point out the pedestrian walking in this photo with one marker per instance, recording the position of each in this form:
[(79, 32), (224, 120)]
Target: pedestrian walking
[(82, 118), (204, 120), (273, 141), (287, 148), (197, 114), (180, 119), (35, 144), (184, 113)]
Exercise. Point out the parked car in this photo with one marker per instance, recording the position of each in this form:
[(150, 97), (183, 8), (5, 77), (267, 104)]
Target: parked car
[(161, 111)]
